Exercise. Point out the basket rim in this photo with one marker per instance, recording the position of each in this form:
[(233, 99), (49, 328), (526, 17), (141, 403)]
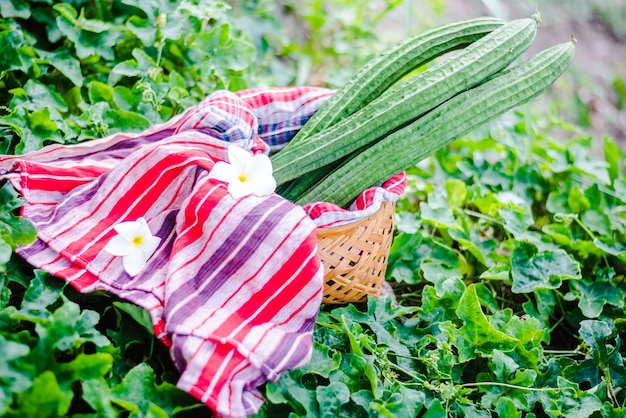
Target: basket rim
[(331, 230)]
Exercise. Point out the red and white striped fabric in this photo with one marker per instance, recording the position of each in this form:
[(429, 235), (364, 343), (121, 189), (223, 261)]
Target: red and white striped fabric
[(234, 287)]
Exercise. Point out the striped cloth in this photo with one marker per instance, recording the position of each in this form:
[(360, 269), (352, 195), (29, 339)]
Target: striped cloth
[(234, 286)]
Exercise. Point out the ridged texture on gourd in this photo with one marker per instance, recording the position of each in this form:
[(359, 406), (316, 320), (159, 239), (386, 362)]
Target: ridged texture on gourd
[(455, 117), (384, 70), (405, 102)]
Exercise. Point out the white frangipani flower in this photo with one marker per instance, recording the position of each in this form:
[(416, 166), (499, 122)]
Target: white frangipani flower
[(245, 173), (134, 243)]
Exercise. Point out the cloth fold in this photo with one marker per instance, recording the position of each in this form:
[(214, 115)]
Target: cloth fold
[(235, 286)]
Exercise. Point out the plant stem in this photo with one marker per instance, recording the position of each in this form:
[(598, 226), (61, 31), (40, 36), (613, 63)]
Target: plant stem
[(507, 385)]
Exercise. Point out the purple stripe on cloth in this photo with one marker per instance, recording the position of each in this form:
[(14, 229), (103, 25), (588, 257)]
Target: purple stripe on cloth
[(132, 143), (250, 222), (79, 196), (290, 354)]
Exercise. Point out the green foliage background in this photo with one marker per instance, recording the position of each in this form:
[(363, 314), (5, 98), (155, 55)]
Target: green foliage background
[(508, 264)]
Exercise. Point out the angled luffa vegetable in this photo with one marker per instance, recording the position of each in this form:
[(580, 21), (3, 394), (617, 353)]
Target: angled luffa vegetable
[(377, 76), (457, 116), (365, 134), (406, 101), (380, 73)]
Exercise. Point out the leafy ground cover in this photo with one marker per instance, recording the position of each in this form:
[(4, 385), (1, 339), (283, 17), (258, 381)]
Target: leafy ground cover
[(508, 265)]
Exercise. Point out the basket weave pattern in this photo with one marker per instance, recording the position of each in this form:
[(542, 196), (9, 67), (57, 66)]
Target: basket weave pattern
[(355, 256)]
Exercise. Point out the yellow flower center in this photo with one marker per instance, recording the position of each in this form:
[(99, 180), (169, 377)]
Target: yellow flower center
[(137, 241), (243, 177)]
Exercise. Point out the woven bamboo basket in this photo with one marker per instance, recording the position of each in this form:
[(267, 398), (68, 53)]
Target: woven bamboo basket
[(355, 256)]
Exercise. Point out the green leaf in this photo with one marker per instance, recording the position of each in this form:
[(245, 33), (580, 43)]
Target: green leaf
[(406, 403), (532, 269), (477, 334), (323, 361), (140, 388), (506, 408), (613, 248), (560, 233), (401, 257), (401, 402), (83, 367), (98, 91), (471, 411), (593, 296), (40, 122), (90, 37), (38, 97), (43, 291), (437, 215), (619, 185), (401, 272), (11, 58), (44, 398), (66, 328), (595, 334), (567, 400), (21, 230), (150, 8), (289, 391), (486, 202), (97, 394), (222, 50), (140, 315), (64, 61), (129, 335), (437, 309), (93, 25), (364, 399), (357, 359), (612, 154), (516, 221), (15, 373), (529, 331), (5, 292), (457, 192), (331, 397), (606, 363), (597, 221), (14, 230), (435, 410), (584, 164), (407, 222), (125, 98), (382, 319), (496, 272), (176, 26), (124, 121), (478, 246), (14, 9), (127, 68), (557, 202), (447, 280), (587, 405), (503, 366), (542, 308), (142, 29), (403, 245), (357, 372), (577, 201), (5, 251)]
